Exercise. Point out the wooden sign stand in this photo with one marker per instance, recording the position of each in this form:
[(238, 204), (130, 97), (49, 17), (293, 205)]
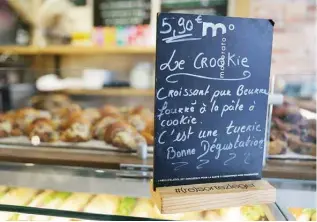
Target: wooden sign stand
[(197, 197)]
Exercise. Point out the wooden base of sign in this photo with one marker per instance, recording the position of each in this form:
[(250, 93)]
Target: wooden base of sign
[(197, 197)]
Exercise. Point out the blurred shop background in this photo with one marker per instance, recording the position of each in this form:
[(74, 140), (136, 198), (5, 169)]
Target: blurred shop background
[(69, 68)]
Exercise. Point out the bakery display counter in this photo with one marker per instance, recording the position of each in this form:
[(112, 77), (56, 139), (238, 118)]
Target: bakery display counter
[(72, 134), (284, 169), (42, 192)]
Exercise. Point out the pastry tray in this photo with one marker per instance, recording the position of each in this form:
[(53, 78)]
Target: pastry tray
[(290, 155), (91, 145)]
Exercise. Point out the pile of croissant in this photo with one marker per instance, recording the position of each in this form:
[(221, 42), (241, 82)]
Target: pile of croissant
[(121, 128), (291, 130)]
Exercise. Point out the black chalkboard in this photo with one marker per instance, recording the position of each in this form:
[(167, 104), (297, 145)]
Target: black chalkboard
[(211, 98)]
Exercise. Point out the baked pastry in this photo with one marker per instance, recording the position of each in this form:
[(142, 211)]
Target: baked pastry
[(44, 129), (100, 127), (6, 126), (276, 134), (50, 102), (212, 215), (143, 208), (61, 117), (103, 204), (296, 144), (92, 114), (137, 121), (277, 147), (24, 117), (109, 110), (142, 119), (144, 112), (66, 111), (123, 135), (77, 130)]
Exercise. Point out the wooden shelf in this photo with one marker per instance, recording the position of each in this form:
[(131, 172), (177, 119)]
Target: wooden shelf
[(87, 50), (19, 50), (76, 50), (111, 92)]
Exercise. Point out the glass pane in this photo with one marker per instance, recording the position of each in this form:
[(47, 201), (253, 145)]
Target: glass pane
[(87, 193), (293, 126)]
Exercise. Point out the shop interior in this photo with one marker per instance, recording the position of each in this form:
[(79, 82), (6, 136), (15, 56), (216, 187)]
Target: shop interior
[(76, 76)]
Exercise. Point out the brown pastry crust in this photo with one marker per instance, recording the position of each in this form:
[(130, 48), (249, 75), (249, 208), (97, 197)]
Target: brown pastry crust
[(44, 129), (92, 114), (109, 110), (24, 117), (99, 129), (137, 121), (123, 135), (145, 113), (115, 127), (142, 119), (277, 147), (276, 134), (293, 141), (298, 146), (6, 126), (50, 102), (67, 111), (77, 130)]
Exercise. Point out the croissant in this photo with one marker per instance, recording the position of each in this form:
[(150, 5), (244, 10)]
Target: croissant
[(66, 115), (92, 114), (123, 135), (140, 117), (77, 130), (44, 129), (137, 121), (101, 126), (24, 117), (109, 110), (67, 111), (50, 102), (6, 126), (142, 111)]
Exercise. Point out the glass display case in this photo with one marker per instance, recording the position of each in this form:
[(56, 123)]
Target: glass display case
[(97, 145), (292, 147), (293, 128), (47, 192)]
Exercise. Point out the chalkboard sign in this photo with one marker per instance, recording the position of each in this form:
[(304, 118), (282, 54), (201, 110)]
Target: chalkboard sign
[(122, 12), (211, 98)]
